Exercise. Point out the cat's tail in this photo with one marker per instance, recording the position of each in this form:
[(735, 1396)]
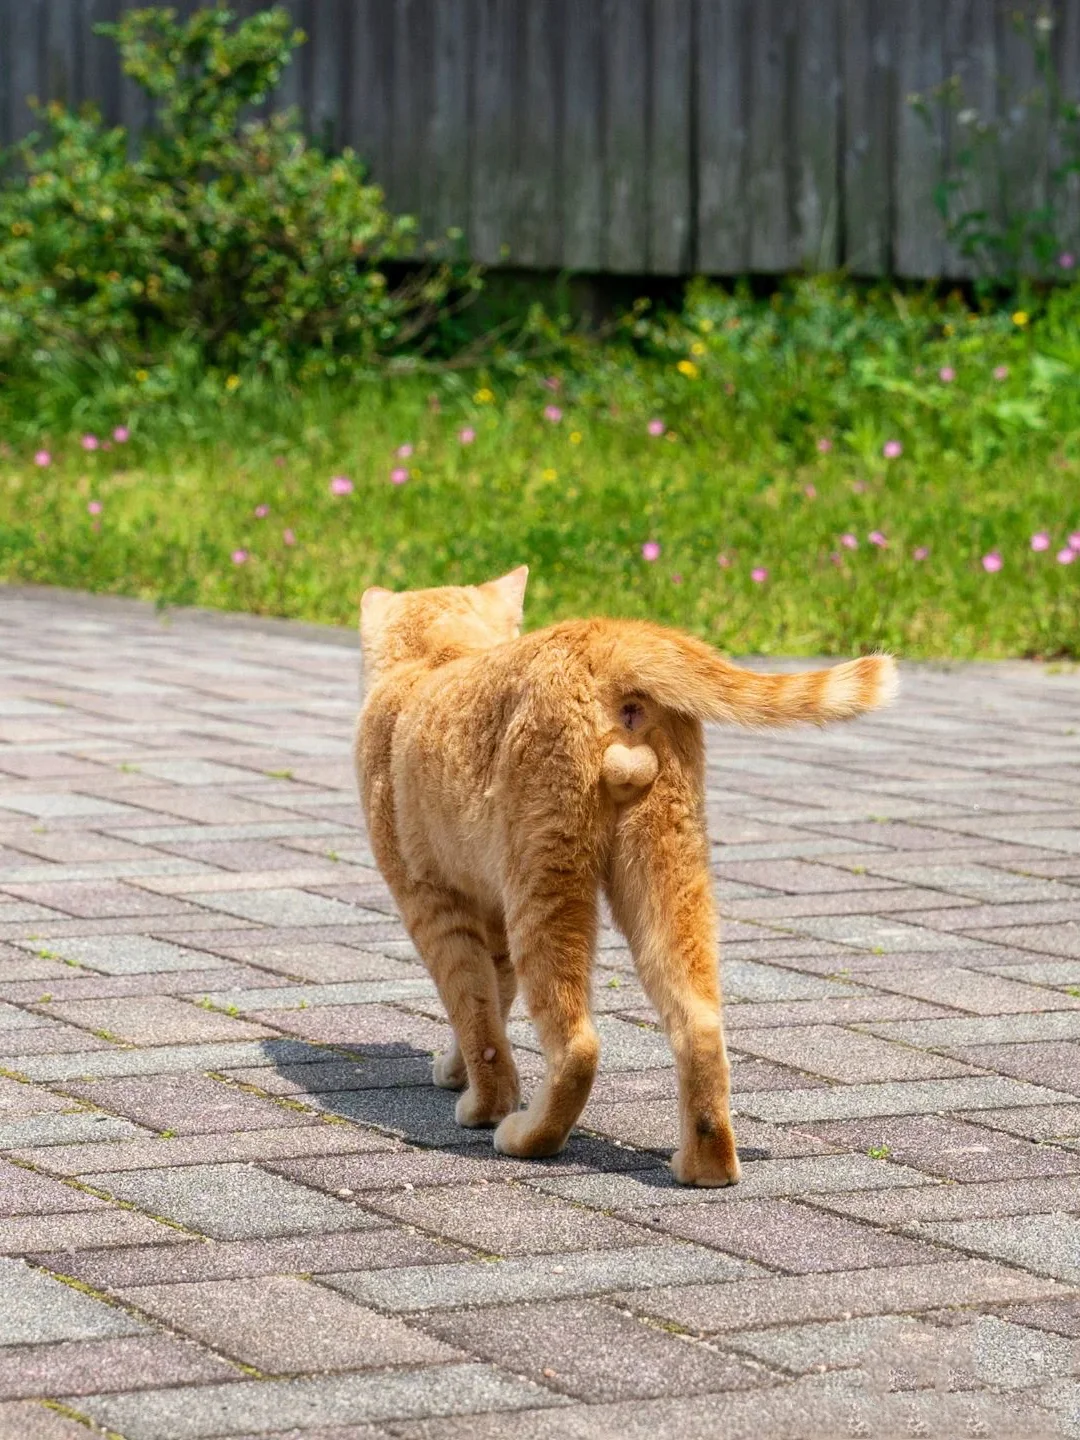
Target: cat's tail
[(687, 676)]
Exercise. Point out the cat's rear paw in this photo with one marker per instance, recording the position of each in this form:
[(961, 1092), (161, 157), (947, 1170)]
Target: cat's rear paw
[(520, 1135), (475, 1110), (713, 1164), (448, 1070)]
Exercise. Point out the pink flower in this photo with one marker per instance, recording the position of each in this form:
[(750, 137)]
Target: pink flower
[(403, 452), (1040, 540), (94, 507), (552, 413), (676, 578), (946, 374), (1001, 372), (288, 537), (759, 574), (239, 557), (655, 427), (1066, 260), (991, 562), (341, 485), (810, 491), (121, 434), (650, 550), (824, 445), (552, 382), (1074, 540), (849, 541), (261, 511), (723, 561), (467, 436), (836, 557), (399, 475), (1066, 556), (877, 538), (920, 552), (90, 442), (42, 458), (892, 449)]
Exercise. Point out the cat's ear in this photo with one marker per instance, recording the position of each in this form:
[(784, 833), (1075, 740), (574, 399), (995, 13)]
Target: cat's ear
[(511, 589), (373, 604)]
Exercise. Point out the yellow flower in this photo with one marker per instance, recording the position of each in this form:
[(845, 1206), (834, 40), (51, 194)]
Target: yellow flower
[(705, 325), (697, 348), (484, 396), (575, 437), (549, 474), (1020, 318), (687, 368), (142, 376), (233, 382)]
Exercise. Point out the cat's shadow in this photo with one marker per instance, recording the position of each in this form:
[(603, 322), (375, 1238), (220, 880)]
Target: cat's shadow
[(389, 1086)]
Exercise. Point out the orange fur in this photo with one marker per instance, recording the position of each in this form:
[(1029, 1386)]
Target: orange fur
[(507, 780)]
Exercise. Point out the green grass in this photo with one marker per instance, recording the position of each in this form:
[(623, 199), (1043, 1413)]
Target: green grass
[(772, 450)]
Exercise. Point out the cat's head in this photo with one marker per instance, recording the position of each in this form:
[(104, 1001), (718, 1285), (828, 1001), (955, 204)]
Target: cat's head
[(439, 625)]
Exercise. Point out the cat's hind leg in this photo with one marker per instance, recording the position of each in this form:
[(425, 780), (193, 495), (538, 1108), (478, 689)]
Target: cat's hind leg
[(552, 921), (452, 940), (449, 1070), (661, 898)]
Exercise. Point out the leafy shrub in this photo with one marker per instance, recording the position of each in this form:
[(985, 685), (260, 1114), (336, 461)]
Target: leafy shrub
[(229, 232)]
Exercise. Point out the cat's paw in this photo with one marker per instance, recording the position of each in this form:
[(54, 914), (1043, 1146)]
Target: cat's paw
[(475, 1109), (714, 1163), (520, 1135), (448, 1070)]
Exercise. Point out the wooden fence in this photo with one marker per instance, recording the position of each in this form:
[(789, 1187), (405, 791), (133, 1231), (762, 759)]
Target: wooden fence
[(629, 136)]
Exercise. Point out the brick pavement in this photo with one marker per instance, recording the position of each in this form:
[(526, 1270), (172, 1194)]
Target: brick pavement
[(232, 1205)]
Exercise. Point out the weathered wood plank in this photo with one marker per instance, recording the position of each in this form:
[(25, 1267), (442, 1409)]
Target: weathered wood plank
[(536, 242), (1024, 137), (448, 146), (723, 69), (495, 106), (670, 201), (768, 193), (869, 84), (26, 20), (584, 222), (626, 135), (971, 57), (814, 138), (918, 243), (1067, 58), (368, 116)]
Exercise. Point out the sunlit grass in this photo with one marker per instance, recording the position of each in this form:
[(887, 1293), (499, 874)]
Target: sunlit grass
[(823, 473)]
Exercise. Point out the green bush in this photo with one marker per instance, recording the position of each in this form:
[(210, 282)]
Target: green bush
[(227, 232)]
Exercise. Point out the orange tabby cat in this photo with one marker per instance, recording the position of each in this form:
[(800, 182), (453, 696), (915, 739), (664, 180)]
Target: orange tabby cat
[(507, 779)]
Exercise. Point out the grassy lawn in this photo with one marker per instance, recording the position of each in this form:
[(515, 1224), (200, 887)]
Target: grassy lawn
[(821, 473)]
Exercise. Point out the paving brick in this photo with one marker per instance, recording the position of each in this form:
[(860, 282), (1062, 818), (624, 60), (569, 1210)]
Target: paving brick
[(27, 1420), (187, 1104), (586, 1348), (846, 1055), (868, 932), (127, 954), (231, 1202), (790, 1237), (98, 900), (25, 1234), (919, 1097), (1047, 1244), (285, 1325), (973, 990), (45, 1130), (1055, 1064), (505, 1221), (544, 1277), (944, 1146), (654, 1125), (1061, 1315), (980, 1030), (365, 1028), (194, 1413), (1033, 1122), (1027, 1196), (284, 907), (154, 1020), (368, 1250), (22, 1192), (161, 1059), (38, 1309), (795, 1299), (87, 1367)]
